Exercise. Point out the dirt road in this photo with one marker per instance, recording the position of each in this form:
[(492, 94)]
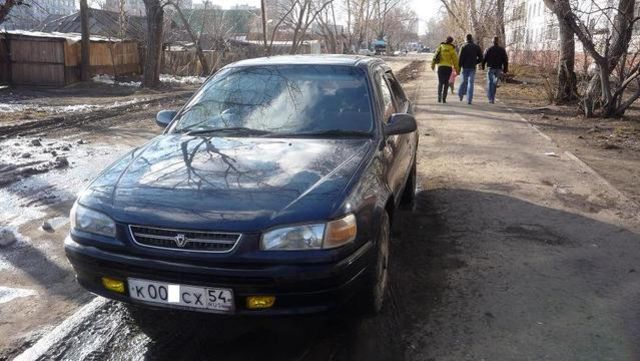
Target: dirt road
[(514, 251)]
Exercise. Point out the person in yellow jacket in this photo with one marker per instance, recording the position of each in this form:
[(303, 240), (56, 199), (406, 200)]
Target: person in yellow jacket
[(446, 59)]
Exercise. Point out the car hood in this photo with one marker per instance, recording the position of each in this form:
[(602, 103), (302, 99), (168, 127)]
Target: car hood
[(228, 183)]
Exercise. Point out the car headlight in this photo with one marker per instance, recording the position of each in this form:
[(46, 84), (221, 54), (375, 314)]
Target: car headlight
[(87, 220), (311, 236)]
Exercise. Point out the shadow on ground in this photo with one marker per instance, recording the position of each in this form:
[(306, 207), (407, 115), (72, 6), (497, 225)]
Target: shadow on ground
[(433, 245)]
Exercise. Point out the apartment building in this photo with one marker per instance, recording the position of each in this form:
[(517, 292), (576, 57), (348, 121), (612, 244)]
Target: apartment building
[(131, 7), (530, 25)]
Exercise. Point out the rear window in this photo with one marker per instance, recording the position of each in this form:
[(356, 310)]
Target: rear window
[(282, 99)]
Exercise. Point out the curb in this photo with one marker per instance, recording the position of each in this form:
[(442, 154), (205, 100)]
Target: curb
[(62, 331), (579, 161)]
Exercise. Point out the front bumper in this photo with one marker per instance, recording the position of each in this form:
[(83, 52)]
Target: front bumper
[(299, 289)]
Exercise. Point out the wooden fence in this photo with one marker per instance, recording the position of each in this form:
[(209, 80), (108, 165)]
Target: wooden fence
[(186, 62), (55, 61), (4, 61)]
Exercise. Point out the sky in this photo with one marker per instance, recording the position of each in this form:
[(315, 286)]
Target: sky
[(424, 8)]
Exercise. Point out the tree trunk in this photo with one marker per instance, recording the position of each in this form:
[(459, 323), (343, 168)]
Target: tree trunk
[(155, 15), (567, 83), (263, 12), (500, 21), (85, 43)]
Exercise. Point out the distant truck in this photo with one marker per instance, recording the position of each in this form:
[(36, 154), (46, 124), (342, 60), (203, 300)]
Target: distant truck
[(380, 47)]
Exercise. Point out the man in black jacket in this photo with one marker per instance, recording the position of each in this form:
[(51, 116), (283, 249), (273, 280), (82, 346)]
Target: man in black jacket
[(469, 58), (498, 61)]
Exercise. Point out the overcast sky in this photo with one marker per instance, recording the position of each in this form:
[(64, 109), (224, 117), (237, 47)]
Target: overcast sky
[(424, 8)]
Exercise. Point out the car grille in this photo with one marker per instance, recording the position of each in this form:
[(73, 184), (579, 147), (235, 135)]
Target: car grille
[(184, 240)]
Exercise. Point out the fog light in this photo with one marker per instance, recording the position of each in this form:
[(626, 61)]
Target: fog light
[(113, 284), (258, 302)]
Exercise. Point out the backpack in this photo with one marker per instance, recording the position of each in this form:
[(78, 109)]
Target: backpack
[(438, 56)]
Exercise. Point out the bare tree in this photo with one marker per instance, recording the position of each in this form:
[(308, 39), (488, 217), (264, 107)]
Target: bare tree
[(206, 70), (6, 7), (383, 9), (483, 18), (301, 14), (614, 35), (328, 28)]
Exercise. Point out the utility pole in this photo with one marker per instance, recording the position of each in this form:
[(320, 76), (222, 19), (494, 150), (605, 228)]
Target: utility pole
[(85, 43)]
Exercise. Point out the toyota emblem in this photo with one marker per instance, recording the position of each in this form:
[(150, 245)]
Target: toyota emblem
[(181, 240)]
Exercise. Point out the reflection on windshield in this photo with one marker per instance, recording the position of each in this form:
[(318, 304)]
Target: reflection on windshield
[(291, 99)]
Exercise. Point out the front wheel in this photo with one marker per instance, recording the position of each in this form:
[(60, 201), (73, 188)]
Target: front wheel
[(372, 299)]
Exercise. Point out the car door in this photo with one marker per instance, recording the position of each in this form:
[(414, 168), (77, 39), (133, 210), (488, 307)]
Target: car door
[(406, 143), (394, 173)]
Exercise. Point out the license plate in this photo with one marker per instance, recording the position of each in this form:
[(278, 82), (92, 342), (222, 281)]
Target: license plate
[(203, 298)]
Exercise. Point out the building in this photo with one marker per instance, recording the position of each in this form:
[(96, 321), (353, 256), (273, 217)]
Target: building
[(532, 29), (137, 8), (244, 7)]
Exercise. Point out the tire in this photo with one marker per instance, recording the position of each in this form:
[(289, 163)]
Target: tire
[(371, 300), (409, 193)]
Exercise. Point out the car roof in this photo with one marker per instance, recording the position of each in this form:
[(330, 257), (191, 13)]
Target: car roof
[(344, 60)]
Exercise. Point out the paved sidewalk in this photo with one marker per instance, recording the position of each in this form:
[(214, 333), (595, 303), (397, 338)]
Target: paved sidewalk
[(544, 255)]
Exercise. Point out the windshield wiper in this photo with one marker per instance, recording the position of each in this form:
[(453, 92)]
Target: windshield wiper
[(242, 130), (324, 133)]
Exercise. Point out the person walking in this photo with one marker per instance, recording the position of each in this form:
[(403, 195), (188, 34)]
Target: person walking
[(469, 58), (446, 59), (452, 80), (496, 58)]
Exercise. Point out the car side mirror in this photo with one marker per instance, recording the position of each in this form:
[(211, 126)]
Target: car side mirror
[(164, 117), (400, 123)]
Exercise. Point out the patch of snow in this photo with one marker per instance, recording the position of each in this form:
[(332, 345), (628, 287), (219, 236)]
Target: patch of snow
[(58, 222), (21, 241), (174, 79), (8, 294), (108, 79), (28, 199), (76, 108), (164, 78)]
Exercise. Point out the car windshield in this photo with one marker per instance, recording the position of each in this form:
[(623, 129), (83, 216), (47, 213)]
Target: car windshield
[(281, 100)]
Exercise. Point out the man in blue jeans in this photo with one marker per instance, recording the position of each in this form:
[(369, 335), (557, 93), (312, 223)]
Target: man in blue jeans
[(498, 61), (469, 58)]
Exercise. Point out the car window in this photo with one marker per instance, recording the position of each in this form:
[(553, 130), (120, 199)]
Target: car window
[(385, 91), (398, 93), (282, 99)]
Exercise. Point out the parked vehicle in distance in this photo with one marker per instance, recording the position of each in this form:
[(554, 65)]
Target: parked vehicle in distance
[(272, 191), (366, 52)]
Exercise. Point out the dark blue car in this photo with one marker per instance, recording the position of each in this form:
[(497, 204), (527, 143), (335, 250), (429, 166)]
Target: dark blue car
[(270, 192)]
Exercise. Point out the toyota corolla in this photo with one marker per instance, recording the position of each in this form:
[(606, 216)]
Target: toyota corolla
[(272, 191)]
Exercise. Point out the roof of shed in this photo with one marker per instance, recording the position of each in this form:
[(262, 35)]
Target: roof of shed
[(101, 22)]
